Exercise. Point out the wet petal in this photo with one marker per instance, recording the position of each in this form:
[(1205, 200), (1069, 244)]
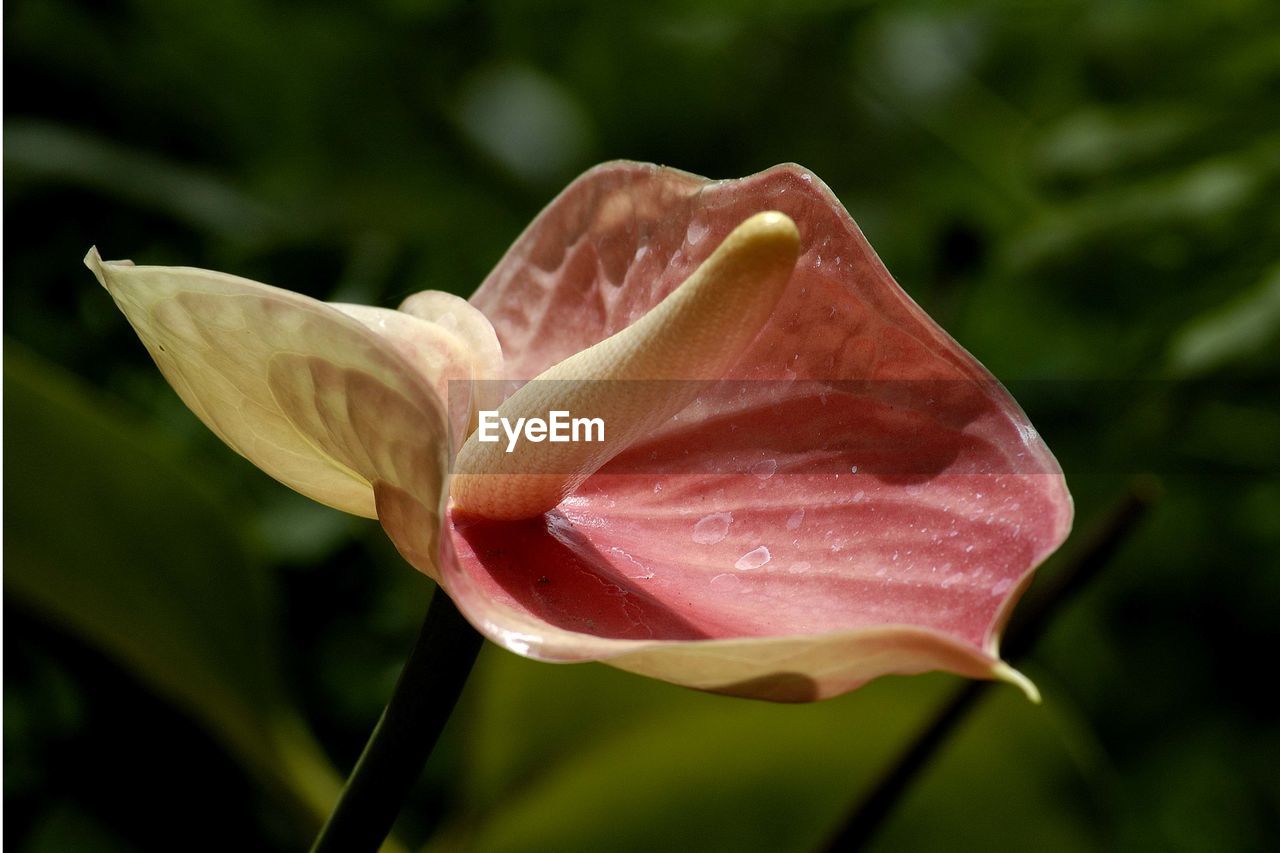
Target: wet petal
[(626, 380), (603, 253), (556, 589), (318, 400), (859, 496)]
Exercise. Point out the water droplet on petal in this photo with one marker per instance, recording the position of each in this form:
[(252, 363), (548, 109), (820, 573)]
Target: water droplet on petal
[(853, 469), (1001, 587), (764, 468), (725, 581), (753, 559), (712, 528), (697, 230), (796, 517), (799, 568)]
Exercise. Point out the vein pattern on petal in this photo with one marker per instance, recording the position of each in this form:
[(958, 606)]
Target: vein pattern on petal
[(316, 399), (858, 491), (696, 333)]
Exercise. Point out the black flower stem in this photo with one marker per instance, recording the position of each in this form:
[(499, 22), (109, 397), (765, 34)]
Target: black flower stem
[(423, 699), (1027, 626)]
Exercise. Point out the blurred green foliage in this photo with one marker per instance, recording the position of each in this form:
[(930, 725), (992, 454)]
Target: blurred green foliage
[(1083, 193)]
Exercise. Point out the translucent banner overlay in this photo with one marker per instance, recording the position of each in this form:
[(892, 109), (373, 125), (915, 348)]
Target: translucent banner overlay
[(911, 429)]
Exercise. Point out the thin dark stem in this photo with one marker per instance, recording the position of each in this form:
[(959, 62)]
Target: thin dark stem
[(1027, 626), (423, 699)]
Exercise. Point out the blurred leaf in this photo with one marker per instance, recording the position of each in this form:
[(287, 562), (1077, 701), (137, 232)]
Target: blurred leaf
[(1245, 437), (106, 535), (1244, 327), (527, 122), (522, 723), (918, 63), (1205, 196), (36, 151), (598, 760), (292, 528), (1013, 777), (1096, 142), (65, 828)]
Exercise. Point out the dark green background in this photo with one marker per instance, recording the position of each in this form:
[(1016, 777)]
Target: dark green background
[(1083, 193)]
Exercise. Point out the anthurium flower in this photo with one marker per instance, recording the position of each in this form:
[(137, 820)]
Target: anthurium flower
[(806, 482)]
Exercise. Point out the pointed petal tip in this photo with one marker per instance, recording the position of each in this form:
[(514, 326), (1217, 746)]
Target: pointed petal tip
[(1001, 671), (93, 261)]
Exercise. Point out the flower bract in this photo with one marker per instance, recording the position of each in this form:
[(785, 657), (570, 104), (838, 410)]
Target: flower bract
[(805, 483)]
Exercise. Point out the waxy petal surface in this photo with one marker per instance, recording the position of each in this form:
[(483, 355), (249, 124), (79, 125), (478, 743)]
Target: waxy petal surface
[(696, 333), (447, 355), (858, 497), (340, 409), (463, 320)]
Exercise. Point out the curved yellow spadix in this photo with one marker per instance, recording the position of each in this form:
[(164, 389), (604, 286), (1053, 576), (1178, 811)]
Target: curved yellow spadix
[(636, 379)]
